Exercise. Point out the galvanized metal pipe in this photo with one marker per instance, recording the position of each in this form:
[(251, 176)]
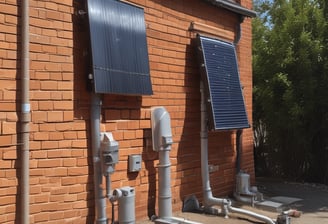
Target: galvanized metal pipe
[(25, 113), (100, 200)]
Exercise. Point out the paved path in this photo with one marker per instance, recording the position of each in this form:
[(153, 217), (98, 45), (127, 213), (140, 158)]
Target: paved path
[(314, 206)]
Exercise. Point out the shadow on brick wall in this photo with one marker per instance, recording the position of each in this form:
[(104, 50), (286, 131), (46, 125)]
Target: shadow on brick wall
[(18, 162), (81, 91)]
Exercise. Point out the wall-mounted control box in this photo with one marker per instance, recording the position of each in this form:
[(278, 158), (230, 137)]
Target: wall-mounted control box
[(134, 163)]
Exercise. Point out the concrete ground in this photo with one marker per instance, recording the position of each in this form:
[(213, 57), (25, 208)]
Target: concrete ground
[(314, 204)]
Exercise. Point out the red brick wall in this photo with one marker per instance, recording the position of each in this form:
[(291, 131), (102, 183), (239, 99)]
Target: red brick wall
[(61, 176)]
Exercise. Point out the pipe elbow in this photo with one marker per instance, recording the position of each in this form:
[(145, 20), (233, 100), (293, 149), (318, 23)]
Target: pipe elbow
[(252, 214)]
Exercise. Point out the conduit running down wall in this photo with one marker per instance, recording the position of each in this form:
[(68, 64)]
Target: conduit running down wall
[(100, 200), (209, 200), (162, 141), (25, 113)]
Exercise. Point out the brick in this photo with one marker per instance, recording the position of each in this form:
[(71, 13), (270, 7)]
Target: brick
[(40, 95), (68, 181), (58, 190), (49, 49), (63, 105), (79, 204), (56, 136), (61, 50), (57, 172), (41, 136), (58, 153), (82, 134), (129, 134), (79, 144), (76, 171), (82, 162), (145, 124), (58, 215), (5, 164), (71, 162), (46, 105), (71, 198), (56, 95), (49, 144), (12, 154), (76, 189), (55, 116), (9, 9), (6, 140), (7, 200), (49, 163), (133, 125), (41, 217), (70, 135), (65, 144), (51, 5)]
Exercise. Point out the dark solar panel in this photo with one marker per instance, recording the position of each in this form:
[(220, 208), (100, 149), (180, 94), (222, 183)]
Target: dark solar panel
[(221, 78), (119, 48)]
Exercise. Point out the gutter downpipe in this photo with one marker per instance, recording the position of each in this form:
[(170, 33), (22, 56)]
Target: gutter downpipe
[(25, 113), (100, 200), (209, 200)]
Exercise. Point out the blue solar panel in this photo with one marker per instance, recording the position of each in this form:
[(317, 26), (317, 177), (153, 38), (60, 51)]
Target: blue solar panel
[(221, 78), (119, 48)]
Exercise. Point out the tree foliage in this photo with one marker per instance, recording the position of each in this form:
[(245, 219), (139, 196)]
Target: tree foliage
[(290, 67)]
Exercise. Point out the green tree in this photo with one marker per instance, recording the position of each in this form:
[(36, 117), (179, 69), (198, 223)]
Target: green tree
[(290, 75)]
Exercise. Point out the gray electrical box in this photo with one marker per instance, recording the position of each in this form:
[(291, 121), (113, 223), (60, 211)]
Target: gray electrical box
[(108, 153), (134, 163)]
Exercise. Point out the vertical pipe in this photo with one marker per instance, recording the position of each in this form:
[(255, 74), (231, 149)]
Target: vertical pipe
[(204, 144), (108, 187), (238, 149), (209, 200), (100, 200), (25, 112), (164, 185)]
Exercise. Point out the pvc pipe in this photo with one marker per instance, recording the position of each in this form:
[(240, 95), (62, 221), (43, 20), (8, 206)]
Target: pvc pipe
[(161, 131), (108, 187), (100, 200), (25, 113), (252, 214), (209, 200), (164, 185), (244, 199)]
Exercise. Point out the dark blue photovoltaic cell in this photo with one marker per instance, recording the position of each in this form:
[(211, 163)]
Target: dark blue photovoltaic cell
[(119, 48), (221, 78)]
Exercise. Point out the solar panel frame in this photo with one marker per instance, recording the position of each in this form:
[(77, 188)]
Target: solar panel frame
[(220, 75), (119, 48)]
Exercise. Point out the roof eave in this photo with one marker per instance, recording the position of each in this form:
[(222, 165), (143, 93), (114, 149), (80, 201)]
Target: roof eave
[(236, 8)]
